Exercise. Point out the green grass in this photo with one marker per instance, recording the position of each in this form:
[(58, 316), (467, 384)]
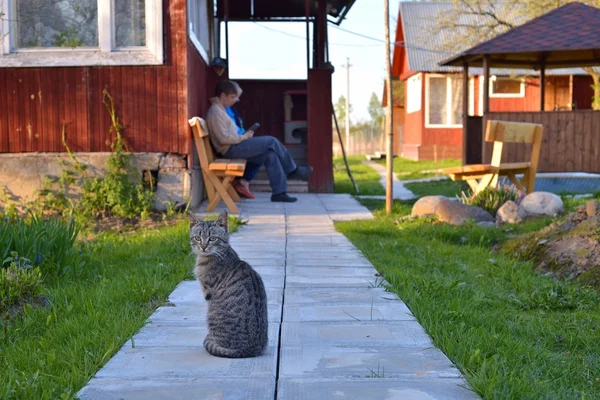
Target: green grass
[(438, 188), (366, 177), (514, 334), (51, 352), (407, 169)]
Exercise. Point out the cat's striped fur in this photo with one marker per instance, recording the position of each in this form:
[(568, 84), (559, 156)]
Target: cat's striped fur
[(235, 293)]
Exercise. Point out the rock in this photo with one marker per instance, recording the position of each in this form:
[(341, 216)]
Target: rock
[(426, 206), (510, 213), (542, 203), (486, 224), (456, 213), (592, 208)]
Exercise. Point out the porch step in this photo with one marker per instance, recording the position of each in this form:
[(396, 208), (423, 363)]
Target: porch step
[(294, 186)]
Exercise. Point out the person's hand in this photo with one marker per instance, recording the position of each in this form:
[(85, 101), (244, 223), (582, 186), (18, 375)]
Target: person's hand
[(248, 134)]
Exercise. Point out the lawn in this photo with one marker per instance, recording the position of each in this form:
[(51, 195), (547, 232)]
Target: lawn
[(444, 187), (513, 333), (51, 352), (407, 169), (366, 177)]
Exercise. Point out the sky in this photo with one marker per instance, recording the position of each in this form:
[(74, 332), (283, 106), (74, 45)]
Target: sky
[(276, 50)]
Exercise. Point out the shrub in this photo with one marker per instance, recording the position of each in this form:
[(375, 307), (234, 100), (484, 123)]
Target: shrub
[(490, 199), (48, 244), (19, 283)]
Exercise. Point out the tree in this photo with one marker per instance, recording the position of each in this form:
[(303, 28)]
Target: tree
[(375, 110), (476, 21), (340, 110)]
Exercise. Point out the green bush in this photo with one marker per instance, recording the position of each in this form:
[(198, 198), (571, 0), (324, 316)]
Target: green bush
[(490, 199), (19, 283), (49, 244)]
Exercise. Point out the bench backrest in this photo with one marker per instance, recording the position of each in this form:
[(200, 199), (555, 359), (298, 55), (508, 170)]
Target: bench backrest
[(501, 132), (202, 142)]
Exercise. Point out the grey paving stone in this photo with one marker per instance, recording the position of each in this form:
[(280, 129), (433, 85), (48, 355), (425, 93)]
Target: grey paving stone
[(197, 313), (182, 334), (333, 261), (311, 296), (349, 312), (330, 271), (354, 334), (181, 389), (190, 293), (181, 362), (373, 389), (365, 362), (331, 282)]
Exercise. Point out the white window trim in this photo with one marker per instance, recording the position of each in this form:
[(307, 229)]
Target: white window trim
[(204, 53), (409, 93), (521, 94), (480, 113), (471, 96), (448, 100), (105, 54)]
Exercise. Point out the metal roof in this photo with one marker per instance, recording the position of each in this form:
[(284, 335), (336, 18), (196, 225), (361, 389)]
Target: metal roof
[(427, 44)]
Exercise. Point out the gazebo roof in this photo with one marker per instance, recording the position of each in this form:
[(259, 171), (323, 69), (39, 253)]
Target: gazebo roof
[(565, 37)]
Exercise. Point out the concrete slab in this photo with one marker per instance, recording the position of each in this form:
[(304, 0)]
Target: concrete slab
[(331, 282), (197, 313), (183, 334), (311, 296), (365, 362), (182, 362), (330, 271), (180, 389), (189, 293), (372, 388), (348, 262), (349, 312), (354, 334)]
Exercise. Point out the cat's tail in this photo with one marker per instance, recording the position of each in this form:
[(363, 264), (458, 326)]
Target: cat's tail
[(219, 351)]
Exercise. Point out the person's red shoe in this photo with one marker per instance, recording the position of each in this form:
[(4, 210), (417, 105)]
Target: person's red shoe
[(242, 190)]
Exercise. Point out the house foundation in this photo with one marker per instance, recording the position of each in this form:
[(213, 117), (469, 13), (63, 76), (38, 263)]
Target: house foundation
[(23, 174)]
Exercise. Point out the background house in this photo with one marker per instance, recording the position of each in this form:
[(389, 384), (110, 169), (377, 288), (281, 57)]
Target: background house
[(433, 94), (154, 58)]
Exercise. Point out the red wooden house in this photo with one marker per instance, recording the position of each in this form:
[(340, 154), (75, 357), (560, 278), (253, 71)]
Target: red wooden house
[(154, 57), (433, 94)]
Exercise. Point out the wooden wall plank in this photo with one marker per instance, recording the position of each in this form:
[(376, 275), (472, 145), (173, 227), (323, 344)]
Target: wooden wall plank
[(4, 112)]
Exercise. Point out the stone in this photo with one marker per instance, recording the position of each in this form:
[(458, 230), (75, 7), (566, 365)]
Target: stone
[(172, 161), (487, 224), (456, 213), (426, 206), (510, 213), (542, 203), (592, 208)]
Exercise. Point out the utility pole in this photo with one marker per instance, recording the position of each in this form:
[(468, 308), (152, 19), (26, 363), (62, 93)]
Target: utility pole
[(348, 104), (389, 182)]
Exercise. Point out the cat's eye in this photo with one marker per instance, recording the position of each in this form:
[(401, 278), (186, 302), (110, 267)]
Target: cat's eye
[(212, 239)]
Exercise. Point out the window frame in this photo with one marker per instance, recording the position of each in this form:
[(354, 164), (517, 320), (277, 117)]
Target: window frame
[(204, 53), (448, 78), (521, 94), (106, 54), (414, 90)]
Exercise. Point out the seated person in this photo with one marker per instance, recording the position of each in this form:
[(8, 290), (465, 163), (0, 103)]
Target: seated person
[(242, 185), (260, 150)]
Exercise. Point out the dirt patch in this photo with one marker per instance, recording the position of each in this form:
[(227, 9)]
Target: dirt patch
[(569, 248)]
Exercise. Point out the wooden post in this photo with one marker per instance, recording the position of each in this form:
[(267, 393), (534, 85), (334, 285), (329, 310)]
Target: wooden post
[(465, 112), (486, 84), (389, 182), (307, 11), (542, 87)]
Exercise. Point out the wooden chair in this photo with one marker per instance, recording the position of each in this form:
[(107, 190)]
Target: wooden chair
[(501, 132), (218, 173)]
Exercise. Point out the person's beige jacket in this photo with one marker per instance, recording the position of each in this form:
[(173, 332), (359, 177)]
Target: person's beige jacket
[(221, 129)]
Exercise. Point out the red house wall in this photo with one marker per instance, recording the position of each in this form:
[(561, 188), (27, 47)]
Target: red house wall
[(151, 101)]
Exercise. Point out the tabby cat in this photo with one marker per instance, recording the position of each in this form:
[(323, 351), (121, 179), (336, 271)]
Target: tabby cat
[(235, 293)]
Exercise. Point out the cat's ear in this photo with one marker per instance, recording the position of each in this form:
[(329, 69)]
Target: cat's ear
[(194, 219), (223, 221)]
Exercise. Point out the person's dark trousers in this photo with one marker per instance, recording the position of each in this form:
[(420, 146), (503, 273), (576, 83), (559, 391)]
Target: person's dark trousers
[(251, 170), (268, 150)]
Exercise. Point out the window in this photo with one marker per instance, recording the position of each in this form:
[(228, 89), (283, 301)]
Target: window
[(39, 33), (444, 101), (200, 27), (506, 87), (414, 90)]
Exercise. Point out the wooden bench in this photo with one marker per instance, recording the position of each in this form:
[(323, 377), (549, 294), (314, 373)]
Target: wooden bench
[(218, 173), (481, 176)]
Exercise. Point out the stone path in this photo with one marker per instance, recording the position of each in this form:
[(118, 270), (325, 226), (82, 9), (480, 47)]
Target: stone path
[(399, 191), (335, 333)]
